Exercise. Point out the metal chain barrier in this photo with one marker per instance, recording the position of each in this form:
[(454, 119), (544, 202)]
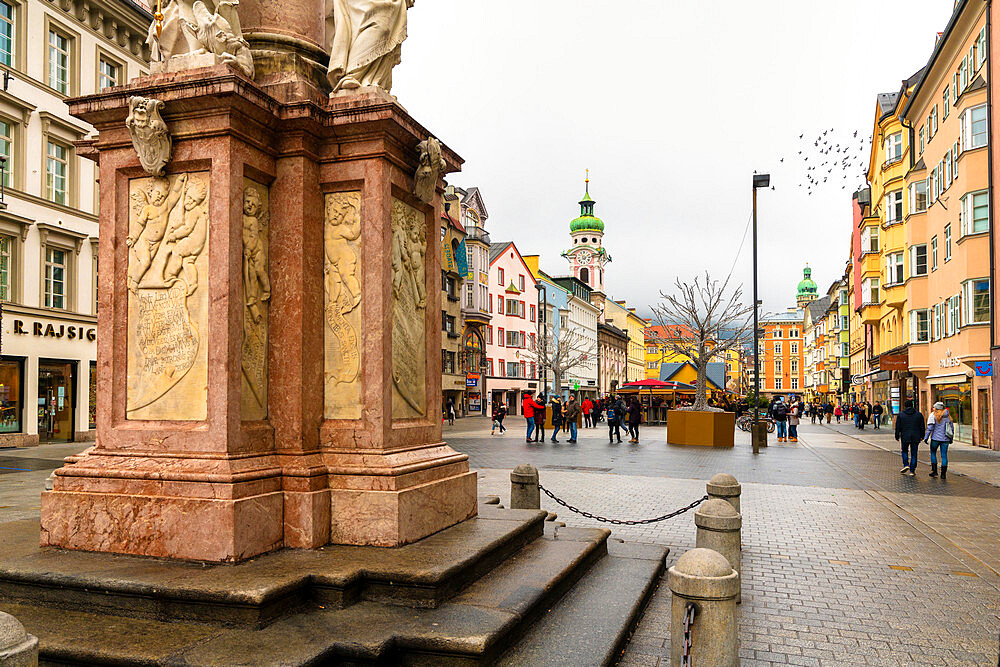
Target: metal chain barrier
[(689, 614), (620, 522)]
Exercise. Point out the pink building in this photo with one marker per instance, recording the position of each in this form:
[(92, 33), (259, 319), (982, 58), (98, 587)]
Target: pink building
[(512, 333)]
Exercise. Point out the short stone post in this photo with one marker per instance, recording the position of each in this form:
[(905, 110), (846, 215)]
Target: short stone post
[(17, 647), (759, 436), (705, 578), (524, 493), (725, 487), (718, 528)]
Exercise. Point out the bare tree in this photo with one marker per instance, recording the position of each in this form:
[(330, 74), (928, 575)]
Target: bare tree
[(707, 320), (560, 353)]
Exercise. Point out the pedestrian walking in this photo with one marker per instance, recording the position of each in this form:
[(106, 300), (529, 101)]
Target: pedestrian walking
[(828, 411), (572, 414), (779, 413), (634, 418), (614, 416), (498, 416), (528, 408), (588, 408), (557, 417), (877, 411), (450, 409), (813, 412), (794, 416), (940, 433), (838, 412), (909, 433)]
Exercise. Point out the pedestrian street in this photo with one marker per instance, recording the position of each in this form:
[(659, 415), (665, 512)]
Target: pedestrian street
[(846, 561)]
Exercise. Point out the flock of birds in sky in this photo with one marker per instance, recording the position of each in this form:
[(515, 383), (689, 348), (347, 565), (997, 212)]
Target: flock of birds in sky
[(830, 159)]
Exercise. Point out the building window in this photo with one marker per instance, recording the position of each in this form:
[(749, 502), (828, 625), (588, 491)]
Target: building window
[(919, 326), (945, 105), (793, 365), (918, 260), (794, 383), (894, 148), (55, 277), (974, 128), (500, 337), (954, 321), (7, 149), (8, 34), (793, 348), (515, 308), (10, 396), (921, 139), (778, 333), (532, 311), (894, 207), (975, 213), (520, 283), (500, 281), (869, 240), (934, 253), (976, 296), (777, 348), (513, 369), (777, 383), (6, 267), (894, 268), (60, 51), (845, 322), (56, 172), (777, 366), (869, 291), (981, 49), (947, 242), (109, 75), (489, 335)]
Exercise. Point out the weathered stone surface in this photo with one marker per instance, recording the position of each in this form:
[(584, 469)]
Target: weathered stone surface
[(725, 486), (719, 527), (17, 647), (705, 578)]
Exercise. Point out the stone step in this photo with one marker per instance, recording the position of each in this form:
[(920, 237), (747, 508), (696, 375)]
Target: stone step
[(257, 592), (472, 628), (592, 623)]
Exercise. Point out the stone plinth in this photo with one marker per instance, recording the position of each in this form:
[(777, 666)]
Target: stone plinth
[(267, 365)]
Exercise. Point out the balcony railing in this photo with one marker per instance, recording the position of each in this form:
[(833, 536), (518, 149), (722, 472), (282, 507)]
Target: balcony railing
[(476, 234)]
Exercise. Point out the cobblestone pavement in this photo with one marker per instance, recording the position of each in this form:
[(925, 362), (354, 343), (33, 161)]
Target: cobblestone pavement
[(846, 562)]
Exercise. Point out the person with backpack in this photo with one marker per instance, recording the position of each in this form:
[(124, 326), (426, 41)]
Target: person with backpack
[(614, 417), (572, 411), (940, 433), (779, 413), (909, 433), (498, 416)]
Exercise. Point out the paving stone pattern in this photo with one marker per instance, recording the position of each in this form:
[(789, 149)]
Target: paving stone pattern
[(846, 562)]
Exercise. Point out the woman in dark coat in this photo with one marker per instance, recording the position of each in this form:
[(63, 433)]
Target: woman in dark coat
[(634, 417)]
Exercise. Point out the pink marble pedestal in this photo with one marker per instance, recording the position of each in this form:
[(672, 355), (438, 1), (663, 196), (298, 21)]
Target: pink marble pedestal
[(222, 481)]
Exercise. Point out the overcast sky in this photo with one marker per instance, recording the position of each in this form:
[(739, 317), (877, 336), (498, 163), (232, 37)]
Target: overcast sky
[(672, 106)]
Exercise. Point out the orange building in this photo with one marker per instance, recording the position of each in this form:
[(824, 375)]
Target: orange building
[(782, 354)]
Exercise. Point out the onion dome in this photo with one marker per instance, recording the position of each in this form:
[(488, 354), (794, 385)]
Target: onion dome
[(807, 287), (587, 222)]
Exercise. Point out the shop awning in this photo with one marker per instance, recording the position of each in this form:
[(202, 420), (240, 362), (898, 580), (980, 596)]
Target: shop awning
[(954, 378)]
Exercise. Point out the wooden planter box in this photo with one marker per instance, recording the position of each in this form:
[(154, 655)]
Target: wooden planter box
[(704, 429)]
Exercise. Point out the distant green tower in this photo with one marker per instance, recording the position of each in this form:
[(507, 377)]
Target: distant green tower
[(807, 290)]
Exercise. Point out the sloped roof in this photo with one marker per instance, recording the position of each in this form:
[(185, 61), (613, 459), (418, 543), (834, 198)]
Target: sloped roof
[(715, 372), (887, 102), (496, 249), (818, 308)]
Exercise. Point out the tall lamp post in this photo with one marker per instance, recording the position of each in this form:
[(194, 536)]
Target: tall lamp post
[(757, 434)]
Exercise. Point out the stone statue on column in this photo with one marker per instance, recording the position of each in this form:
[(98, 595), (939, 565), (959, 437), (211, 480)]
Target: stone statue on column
[(191, 29), (367, 42)]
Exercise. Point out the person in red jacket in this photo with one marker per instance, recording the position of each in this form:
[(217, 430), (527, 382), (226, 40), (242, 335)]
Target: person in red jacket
[(587, 408), (528, 407)]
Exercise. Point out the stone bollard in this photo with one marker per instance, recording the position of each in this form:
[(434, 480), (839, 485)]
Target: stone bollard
[(718, 529), (704, 577), (524, 493), (725, 487), (17, 647), (759, 436)]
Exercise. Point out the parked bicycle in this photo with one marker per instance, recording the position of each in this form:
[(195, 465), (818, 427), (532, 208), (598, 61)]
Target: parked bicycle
[(745, 423)]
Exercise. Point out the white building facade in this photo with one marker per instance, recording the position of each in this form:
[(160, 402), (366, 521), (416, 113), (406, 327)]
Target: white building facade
[(48, 223)]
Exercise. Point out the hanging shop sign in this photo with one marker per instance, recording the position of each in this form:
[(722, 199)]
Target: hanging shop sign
[(984, 369), (70, 332)]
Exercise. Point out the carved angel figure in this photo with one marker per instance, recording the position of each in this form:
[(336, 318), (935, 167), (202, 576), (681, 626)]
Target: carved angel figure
[(149, 133), (147, 229), (255, 280), (188, 237), (429, 168), (343, 220), (367, 40), (192, 29)]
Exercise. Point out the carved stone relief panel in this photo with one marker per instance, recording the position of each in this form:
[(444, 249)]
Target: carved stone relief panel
[(409, 305), (256, 299), (167, 355), (342, 313)]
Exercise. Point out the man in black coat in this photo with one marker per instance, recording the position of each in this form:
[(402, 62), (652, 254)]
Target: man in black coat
[(909, 432)]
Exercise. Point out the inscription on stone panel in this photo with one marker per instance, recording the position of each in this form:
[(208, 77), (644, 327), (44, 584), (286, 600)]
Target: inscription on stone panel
[(409, 305), (342, 315), (167, 357), (256, 299)]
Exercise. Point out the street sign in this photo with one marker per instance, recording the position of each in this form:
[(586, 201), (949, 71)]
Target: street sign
[(576, 386), (984, 369)]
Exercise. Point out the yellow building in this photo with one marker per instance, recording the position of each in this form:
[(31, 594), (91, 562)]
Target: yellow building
[(947, 287), (621, 316), (658, 353)]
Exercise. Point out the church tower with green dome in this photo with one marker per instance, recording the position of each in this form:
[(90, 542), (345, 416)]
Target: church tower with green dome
[(587, 256), (807, 290)]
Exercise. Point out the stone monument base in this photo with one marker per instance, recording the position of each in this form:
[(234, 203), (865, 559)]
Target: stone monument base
[(504, 587)]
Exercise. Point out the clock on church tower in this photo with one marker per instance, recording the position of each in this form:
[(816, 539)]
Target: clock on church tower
[(587, 256)]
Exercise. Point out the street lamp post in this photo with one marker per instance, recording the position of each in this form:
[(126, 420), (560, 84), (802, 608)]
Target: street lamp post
[(759, 181)]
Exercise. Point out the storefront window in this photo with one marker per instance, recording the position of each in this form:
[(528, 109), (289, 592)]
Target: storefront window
[(93, 395), (55, 401), (10, 396)]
